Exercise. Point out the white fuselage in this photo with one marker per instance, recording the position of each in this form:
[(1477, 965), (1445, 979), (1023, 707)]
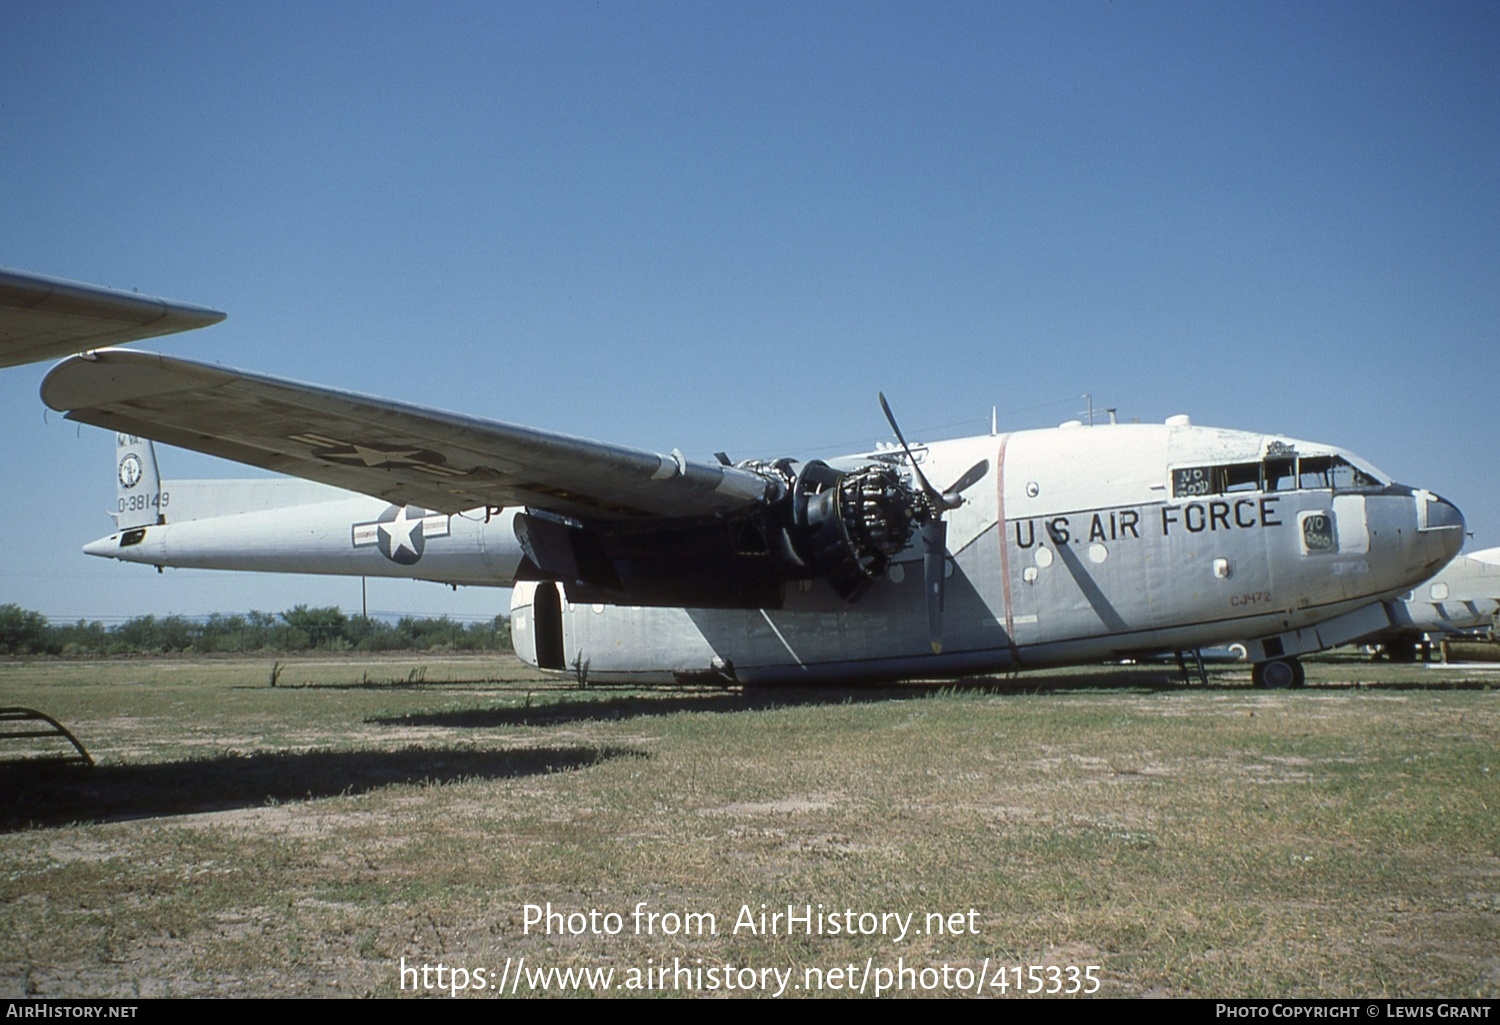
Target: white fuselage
[(1081, 544)]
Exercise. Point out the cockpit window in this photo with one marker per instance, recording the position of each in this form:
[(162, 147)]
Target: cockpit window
[(1332, 473), (1241, 477), (1191, 482), (1309, 473), (1281, 474)]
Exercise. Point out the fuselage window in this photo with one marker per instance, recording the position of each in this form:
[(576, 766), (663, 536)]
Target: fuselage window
[(1317, 533)]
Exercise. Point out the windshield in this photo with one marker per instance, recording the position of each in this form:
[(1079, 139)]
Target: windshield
[(1280, 473)]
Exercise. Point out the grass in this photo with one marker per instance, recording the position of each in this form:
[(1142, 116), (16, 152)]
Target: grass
[(239, 839)]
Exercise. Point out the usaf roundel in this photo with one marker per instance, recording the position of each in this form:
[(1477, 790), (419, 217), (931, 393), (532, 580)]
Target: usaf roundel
[(401, 532)]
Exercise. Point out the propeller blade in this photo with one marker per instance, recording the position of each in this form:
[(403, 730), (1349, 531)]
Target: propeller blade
[(934, 567), (951, 497), (935, 530), (890, 418)]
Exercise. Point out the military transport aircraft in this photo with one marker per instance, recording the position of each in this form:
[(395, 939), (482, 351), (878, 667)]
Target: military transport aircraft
[(1463, 598), (977, 555)]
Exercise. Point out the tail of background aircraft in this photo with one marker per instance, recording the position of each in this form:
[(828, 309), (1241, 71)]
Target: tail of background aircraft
[(138, 492)]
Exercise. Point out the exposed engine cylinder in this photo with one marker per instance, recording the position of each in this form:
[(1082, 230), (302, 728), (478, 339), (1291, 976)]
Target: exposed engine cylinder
[(848, 525)]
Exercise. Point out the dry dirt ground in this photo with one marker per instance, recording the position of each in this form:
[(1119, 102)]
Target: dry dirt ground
[(365, 817)]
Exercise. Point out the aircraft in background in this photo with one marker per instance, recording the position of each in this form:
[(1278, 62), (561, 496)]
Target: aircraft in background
[(1047, 547), (1463, 598), (45, 318)]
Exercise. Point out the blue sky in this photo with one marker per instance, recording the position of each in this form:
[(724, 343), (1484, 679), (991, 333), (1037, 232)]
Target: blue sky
[(727, 226)]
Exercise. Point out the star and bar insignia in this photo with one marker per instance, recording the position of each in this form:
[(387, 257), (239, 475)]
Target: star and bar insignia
[(401, 532), (380, 457)]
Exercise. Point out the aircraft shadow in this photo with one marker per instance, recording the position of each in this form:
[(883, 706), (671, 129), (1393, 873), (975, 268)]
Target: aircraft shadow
[(1428, 685), (565, 710), (1152, 678), (43, 793), (569, 709)]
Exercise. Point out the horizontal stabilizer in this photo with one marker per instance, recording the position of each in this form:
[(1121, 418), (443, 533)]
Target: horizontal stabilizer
[(208, 499)]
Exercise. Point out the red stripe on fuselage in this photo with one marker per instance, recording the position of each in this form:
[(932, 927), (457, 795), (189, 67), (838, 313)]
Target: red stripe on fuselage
[(1010, 625)]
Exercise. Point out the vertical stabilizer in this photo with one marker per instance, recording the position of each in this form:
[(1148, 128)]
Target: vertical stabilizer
[(138, 497)]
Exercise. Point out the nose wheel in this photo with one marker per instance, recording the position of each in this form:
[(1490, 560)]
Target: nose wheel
[(1278, 674)]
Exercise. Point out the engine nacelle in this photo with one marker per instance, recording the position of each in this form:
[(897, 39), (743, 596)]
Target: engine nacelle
[(843, 526), (847, 525)]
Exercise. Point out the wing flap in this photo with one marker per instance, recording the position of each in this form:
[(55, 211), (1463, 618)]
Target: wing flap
[(443, 461), (43, 318)]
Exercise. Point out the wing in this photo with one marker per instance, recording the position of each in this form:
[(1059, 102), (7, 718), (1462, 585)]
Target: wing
[(402, 453), (43, 318)]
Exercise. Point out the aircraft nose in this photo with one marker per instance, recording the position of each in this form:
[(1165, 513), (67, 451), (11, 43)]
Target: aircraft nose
[(1439, 513), (1440, 521)]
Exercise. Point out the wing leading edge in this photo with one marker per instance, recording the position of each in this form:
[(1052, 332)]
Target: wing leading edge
[(43, 318), (403, 453)]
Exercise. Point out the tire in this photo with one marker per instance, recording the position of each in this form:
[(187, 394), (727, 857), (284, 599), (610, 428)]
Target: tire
[(1278, 674)]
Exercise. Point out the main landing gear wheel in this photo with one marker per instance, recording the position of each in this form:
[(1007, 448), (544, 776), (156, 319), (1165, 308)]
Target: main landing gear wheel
[(1278, 674)]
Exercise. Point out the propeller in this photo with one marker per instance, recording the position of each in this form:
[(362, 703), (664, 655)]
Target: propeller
[(935, 528)]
